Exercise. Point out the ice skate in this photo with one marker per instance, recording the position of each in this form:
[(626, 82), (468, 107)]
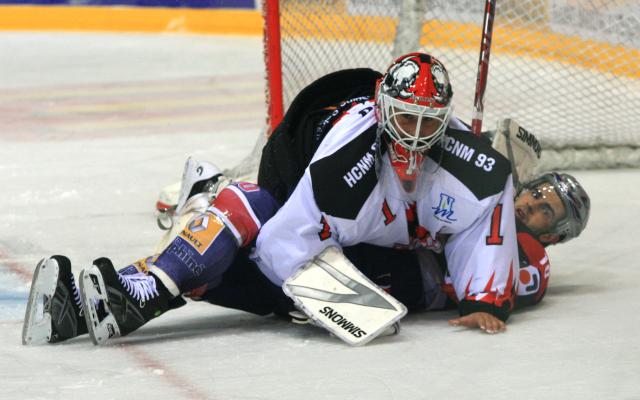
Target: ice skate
[(54, 311), (118, 304), (198, 178)]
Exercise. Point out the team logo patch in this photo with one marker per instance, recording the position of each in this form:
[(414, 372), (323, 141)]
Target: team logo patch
[(529, 281), (184, 252), (202, 231), (444, 211), (248, 187)]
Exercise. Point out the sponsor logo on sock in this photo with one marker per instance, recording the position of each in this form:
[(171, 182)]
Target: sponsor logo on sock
[(188, 258), (202, 231)]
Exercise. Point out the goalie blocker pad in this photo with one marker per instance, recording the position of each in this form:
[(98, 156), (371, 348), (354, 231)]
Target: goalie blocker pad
[(338, 297)]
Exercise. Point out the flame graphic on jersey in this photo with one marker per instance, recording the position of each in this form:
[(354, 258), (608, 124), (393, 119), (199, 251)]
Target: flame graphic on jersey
[(492, 295)]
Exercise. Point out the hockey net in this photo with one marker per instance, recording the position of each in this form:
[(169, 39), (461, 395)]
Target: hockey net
[(567, 70)]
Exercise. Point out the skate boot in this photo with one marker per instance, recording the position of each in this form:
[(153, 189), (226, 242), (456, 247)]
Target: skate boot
[(118, 304), (54, 311), (201, 181)]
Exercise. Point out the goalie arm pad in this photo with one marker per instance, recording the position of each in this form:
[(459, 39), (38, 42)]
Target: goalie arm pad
[(520, 147)]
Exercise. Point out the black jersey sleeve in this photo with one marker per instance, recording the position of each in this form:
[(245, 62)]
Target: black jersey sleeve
[(473, 161), (292, 144), (343, 181)]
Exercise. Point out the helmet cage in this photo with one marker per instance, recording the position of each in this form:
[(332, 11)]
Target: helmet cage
[(406, 149), (391, 108)]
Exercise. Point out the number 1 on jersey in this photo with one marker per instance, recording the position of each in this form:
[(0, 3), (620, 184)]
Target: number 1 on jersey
[(494, 237)]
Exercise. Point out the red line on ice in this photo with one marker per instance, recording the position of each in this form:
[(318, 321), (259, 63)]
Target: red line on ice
[(14, 266), (140, 356), (168, 376)]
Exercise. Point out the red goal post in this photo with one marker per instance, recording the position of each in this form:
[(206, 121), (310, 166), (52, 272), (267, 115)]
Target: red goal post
[(567, 70)]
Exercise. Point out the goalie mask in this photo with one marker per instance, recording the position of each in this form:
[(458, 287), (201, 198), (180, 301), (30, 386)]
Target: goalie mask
[(414, 107), (574, 199)]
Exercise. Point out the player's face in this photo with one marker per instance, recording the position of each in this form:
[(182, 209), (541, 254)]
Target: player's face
[(539, 208), (408, 125), (407, 162)]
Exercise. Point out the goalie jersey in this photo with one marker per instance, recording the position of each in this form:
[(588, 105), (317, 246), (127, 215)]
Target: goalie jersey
[(533, 276), (463, 206)]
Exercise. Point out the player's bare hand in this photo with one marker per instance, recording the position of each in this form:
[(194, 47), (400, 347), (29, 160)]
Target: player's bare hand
[(482, 320)]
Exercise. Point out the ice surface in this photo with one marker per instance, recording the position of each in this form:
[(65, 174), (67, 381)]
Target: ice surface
[(92, 126)]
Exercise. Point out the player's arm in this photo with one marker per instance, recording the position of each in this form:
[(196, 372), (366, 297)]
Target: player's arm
[(483, 263), (481, 320), (298, 232), (308, 222), (534, 271)]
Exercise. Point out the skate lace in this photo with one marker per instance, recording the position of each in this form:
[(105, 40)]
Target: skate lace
[(76, 294), (140, 286)]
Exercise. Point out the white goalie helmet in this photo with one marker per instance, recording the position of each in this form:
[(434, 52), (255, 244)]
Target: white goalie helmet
[(414, 108)]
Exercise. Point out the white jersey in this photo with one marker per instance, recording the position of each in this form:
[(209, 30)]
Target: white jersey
[(463, 205)]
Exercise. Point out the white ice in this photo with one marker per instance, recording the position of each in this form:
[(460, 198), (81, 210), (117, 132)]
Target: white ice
[(93, 125)]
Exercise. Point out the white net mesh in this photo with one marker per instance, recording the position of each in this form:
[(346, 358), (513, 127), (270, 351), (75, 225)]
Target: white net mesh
[(567, 70)]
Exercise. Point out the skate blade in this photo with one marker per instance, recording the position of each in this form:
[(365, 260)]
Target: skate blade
[(102, 325), (36, 328)]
